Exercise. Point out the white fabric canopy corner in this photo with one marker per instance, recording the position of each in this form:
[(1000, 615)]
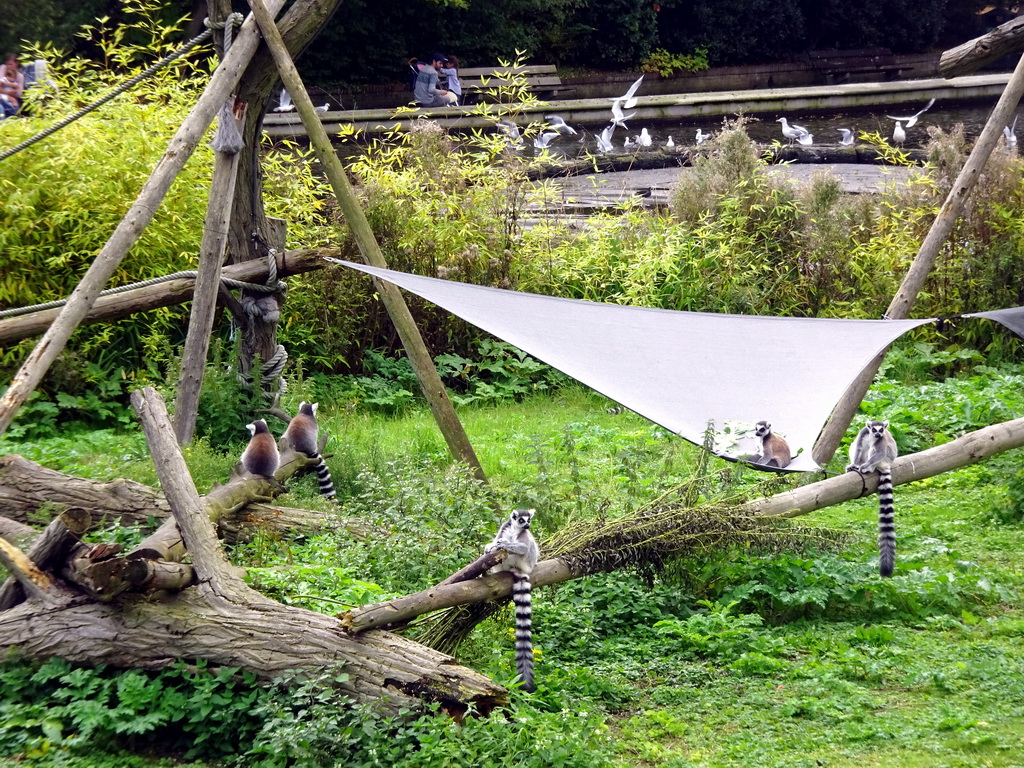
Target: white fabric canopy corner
[(681, 370)]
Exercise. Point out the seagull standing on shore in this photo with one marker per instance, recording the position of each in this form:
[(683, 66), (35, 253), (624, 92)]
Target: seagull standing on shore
[(323, 108), (555, 122), (644, 140), (670, 144), (791, 132), (847, 140), (898, 134), (912, 120)]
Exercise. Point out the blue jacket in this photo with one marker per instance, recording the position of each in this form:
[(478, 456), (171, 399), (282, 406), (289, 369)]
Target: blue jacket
[(426, 90)]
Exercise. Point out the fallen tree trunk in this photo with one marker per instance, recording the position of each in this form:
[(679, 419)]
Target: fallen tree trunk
[(591, 554), (162, 294), (216, 616)]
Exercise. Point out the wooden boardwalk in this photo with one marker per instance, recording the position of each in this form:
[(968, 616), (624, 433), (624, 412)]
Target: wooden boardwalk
[(668, 106)]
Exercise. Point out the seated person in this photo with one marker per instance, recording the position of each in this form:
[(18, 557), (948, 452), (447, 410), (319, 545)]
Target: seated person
[(451, 72), (426, 92), (12, 85)]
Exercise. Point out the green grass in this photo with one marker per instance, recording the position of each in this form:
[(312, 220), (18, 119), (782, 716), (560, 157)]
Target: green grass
[(730, 658)]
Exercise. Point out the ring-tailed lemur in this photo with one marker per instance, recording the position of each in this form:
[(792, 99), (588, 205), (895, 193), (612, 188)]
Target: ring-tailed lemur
[(874, 450), (774, 449), (522, 554), (260, 456), (302, 434)]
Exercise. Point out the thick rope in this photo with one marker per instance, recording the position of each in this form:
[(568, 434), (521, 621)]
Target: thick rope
[(200, 38)]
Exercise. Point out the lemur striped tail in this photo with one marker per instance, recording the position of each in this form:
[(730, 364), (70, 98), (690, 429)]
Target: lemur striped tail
[(524, 634), (323, 476), (886, 524)]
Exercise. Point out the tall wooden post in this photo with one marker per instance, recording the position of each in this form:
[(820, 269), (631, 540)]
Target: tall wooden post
[(913, 282), (423, 365)]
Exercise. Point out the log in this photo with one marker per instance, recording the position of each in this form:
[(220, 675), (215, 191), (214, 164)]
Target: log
[(48, 550), (25, 486), (129, 229), (965, 450), (34, 582), (975, 54), (423, 365), (478, 567), (165, 294), (264, 637), (913, 282)]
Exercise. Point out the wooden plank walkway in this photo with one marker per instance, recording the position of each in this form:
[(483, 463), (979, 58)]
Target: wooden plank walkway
[(668, 106)]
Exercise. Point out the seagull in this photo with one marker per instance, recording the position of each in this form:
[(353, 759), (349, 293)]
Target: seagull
[(628, 98), (604, 139), (1010, 136), (511, 131), (542, 141), (898, 134), (912, 120), (556, 123), (805, 139), (702, 137), (791, 132), (618, 117), (670, 143), (847, 139), (628, 143), (644, 139), (323, 108), (284, 102)]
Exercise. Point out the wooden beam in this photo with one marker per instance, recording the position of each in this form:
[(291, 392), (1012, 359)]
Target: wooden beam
[(965, 58), (430, 382), (164, 294)]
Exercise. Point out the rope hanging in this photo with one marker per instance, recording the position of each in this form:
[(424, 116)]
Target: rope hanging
[(127, 85)]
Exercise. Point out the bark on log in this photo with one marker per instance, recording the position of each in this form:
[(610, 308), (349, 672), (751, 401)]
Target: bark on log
[(48, 550), (478, 567), (976, 53), (265, 637), (965, 450), (166, 294)]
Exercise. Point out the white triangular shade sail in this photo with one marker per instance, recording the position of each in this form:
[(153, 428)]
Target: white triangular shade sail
[(680, 369)]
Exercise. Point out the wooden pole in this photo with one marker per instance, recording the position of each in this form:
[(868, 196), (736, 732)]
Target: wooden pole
[(191, 132), (423, 365), (913, 282), (204, 302)]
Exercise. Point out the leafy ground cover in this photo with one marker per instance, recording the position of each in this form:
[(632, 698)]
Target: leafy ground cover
[(734, 657)]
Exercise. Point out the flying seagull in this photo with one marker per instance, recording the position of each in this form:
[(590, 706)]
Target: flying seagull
[(542, 141), (805, 139), (284, 102), (511, 131), (912, 120), (628, 99), (791, 132), (555, 122), (604, 139), (618, 117), (1010, 135), (847, 139), (898, 134)]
